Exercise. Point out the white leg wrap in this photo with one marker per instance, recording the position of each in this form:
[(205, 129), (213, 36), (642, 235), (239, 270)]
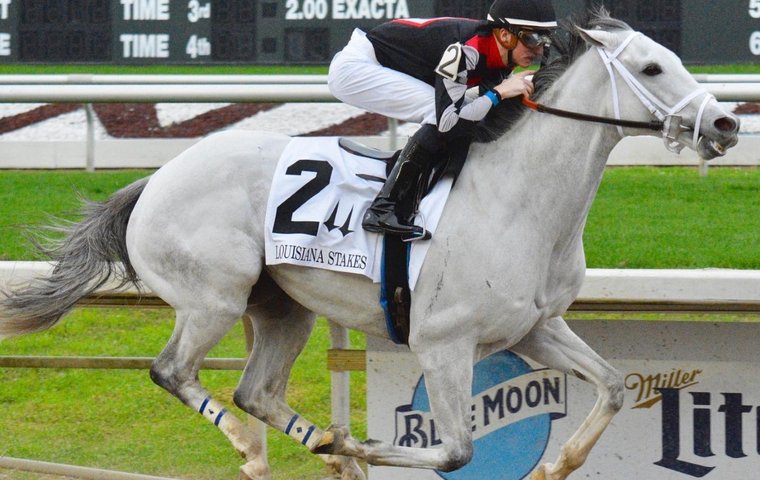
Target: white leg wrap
[(303, 432), (212, 410)]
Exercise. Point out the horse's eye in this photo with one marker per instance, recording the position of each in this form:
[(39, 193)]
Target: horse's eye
[(652, 69)]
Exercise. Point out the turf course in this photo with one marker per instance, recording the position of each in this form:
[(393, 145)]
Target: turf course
[(673, 218), (642, 218)]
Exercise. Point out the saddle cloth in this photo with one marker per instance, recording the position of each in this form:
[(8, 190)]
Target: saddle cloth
[(320, 191)]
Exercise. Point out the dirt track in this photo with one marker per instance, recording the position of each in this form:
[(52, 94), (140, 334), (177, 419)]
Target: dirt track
[(140, 120)]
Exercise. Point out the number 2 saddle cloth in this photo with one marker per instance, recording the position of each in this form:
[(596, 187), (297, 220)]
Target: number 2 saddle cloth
[(321, 188)]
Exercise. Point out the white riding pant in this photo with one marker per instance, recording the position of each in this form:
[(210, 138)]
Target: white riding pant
[(356, 78)]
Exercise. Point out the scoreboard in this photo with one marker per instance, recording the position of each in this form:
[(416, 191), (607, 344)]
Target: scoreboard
[(138, 32), (188, 31)]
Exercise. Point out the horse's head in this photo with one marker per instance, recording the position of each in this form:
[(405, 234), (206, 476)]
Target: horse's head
[(649, 82)]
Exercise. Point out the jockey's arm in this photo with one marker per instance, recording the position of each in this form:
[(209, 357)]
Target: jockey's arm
[(451, 88)]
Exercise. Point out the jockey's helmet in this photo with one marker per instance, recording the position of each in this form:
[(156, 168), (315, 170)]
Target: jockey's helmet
[(516, 14)]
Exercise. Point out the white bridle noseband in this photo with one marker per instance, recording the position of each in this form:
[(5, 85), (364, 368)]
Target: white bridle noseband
[(672, 123)]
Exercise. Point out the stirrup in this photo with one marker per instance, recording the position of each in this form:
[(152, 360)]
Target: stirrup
[(423, 235), (411, 237), (376, 224)]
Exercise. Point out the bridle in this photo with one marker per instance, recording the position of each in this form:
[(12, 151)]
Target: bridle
[(668, 122)]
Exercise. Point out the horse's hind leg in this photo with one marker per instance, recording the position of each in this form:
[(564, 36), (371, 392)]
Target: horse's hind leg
[(556, 346), (176, 370), (281, 328)]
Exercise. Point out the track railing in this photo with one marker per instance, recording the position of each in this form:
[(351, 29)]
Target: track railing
[(604, 290), (88, 89), (134, 90)]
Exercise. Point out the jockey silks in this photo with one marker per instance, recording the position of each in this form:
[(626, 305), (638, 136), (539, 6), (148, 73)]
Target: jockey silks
[(448, 54), (415, 47)]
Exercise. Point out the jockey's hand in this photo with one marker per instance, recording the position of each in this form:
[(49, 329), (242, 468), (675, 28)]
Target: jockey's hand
[(516, 85)]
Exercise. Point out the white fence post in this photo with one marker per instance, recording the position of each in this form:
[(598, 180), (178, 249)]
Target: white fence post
[(339, 381), (90, 137)]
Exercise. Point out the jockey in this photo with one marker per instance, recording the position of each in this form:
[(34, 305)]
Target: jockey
[(419, 70)]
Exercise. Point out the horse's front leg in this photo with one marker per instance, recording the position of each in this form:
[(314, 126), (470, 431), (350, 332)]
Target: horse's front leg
[(448, 378), (556, 346)]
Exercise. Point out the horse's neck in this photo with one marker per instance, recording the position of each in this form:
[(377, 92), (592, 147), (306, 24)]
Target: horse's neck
[(578, 148), (558, 163)]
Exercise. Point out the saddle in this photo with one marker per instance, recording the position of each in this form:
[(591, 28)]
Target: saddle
[(320, 190)]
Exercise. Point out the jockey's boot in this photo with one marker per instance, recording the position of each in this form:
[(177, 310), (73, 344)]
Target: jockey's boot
[(385, 214)]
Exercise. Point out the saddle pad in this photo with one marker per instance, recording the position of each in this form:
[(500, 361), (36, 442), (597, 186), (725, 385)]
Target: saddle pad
[(318, 197)]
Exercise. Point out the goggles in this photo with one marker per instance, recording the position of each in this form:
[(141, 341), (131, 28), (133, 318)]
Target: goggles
[(534, 39)]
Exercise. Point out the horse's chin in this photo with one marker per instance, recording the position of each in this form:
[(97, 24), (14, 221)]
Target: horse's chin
[(708, 149)]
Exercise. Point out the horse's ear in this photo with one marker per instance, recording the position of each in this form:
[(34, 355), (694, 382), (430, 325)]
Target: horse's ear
[(598, 38)]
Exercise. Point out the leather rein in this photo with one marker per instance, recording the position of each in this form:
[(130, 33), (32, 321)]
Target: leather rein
[(654, 125)]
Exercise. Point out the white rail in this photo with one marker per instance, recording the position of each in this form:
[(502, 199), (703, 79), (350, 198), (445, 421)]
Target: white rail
[(86, 78), (604, 289), (83, 88), (227, 92), (727, 77), (105, 79), (74, 471)]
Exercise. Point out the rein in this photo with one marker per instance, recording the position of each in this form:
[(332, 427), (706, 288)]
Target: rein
[(654, 125), (668, 121)]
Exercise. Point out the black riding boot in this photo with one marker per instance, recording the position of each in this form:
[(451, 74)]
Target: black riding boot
[(385, 214)]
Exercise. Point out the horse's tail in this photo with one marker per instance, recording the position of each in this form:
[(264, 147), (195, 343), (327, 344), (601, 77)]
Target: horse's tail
[(84, 259)]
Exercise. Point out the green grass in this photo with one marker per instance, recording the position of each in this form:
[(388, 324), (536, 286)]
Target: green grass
[(6, 69), (30, 197), (673, 218), (642, 218), (743, 68), (120, 420)]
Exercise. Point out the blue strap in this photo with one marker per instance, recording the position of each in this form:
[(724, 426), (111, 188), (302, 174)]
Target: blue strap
[(385, 300), (495, 98)]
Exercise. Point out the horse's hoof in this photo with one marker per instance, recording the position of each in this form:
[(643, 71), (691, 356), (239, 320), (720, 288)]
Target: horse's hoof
[(326, 444), (547, 471), (332, 441), (539, 474), (245, 476), (250, 471)]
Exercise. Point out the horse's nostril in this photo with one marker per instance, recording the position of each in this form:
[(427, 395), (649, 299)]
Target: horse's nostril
[(725, 124)]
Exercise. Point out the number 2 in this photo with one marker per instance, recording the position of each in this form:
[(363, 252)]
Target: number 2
[(449, 66), (292, 10), (283, 220)]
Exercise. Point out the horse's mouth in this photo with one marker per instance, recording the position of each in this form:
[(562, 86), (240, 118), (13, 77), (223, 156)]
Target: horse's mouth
[(709, 149)]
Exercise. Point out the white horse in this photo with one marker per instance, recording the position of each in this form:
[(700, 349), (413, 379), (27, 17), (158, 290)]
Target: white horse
[(504, 265)]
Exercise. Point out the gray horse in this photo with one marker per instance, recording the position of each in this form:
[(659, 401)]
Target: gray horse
[(504, 265)]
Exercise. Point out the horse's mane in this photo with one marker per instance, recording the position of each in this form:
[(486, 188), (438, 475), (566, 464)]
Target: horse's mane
[(567, 47)]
